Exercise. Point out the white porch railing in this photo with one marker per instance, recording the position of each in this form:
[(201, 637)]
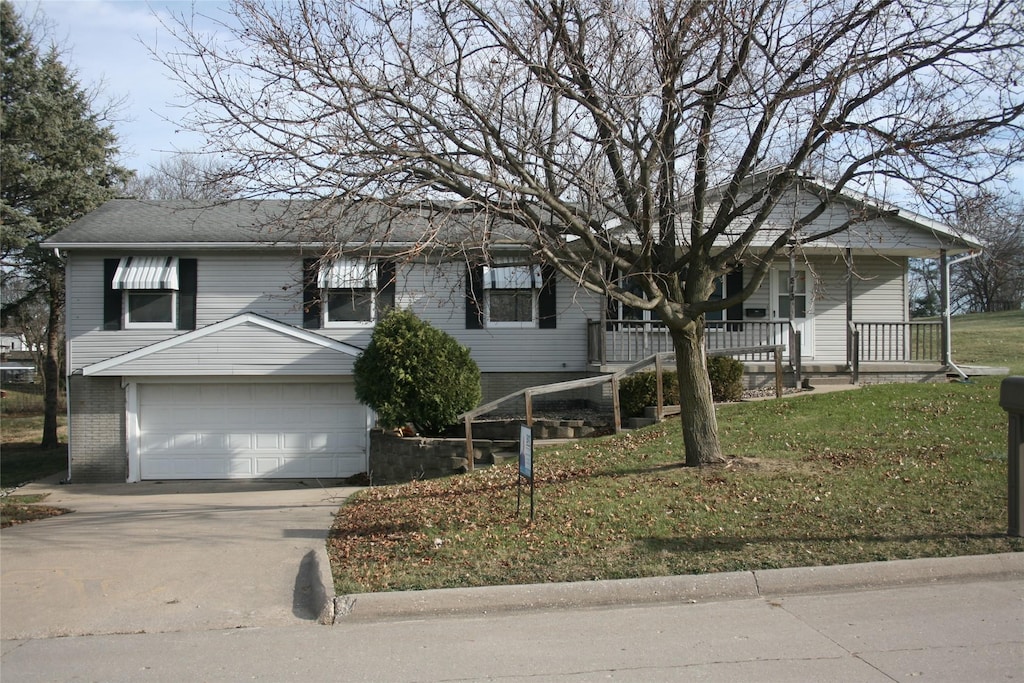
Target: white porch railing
[(919, 342), (627, 341)]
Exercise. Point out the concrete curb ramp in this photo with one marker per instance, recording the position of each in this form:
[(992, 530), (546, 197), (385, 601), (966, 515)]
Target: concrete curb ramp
[(766, 583)]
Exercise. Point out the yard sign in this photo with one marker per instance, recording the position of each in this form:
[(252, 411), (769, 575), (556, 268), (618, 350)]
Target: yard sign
[(525, 465)]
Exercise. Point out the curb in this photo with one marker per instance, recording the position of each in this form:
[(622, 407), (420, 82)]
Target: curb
[(321, 584), (767, 583)]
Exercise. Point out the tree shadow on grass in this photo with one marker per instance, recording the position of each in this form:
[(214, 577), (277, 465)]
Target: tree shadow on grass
[(706, 544)]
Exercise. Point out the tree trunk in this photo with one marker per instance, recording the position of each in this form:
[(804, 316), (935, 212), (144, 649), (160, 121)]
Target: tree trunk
[(51, 366), (697, 407)]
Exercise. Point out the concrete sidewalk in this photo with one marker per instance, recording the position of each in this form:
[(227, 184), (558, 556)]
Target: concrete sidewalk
[(172, 556), (954, 630)]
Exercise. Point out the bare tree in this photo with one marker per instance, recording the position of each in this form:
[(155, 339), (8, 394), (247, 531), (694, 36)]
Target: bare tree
[(995, 280), (184, 176), (653, 140)]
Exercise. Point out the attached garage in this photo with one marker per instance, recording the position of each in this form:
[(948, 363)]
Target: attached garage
[(245, 398), (250, 430)]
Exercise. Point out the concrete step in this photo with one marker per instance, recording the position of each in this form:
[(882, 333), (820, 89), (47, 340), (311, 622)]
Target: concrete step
[(830, 381), (505, 457), (638, 422)]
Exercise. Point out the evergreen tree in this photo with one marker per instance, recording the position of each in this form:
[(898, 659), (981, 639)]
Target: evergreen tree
[(57, 158)]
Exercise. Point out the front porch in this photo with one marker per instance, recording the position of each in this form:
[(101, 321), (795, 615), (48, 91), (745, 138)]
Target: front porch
[(876, 352)]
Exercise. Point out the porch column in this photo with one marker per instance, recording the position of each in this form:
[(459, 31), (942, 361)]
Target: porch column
[(944, 294), (849, 306)]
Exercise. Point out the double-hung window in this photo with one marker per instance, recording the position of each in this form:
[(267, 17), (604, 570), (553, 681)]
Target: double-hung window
[(149, 290), (511, 295), (346, 292), (351, 292), (627, 312)]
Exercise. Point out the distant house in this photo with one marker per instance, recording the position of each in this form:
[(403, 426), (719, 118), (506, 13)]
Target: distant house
[(10, 341), (210, 341)]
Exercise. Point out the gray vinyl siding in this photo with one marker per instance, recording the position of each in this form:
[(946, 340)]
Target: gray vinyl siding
[(878, 296), (228, 284), (879, 292), (244, 350), (885, 234), (268, 284), (437, 294)]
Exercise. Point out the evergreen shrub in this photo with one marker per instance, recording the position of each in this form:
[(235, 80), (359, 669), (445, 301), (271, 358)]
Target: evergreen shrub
[(726, 378), (413, 373), (640, 390)]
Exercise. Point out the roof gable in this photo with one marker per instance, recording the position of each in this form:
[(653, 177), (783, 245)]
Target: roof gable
[(245, 345)]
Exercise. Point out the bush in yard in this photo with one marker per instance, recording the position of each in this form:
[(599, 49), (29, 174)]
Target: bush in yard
[(638, 391), (413, 373), (726, 378)]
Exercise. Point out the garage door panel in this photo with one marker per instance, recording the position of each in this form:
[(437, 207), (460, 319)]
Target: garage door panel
[(250, 430)]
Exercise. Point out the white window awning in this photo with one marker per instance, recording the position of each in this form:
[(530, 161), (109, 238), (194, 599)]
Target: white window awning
[(146, 272), (348, 274), (512, 277)]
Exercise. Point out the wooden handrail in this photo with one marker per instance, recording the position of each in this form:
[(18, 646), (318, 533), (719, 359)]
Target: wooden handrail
[(657, 359)]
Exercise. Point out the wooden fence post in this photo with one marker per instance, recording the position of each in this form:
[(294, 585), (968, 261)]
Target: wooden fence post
[(660, 410), (615, 404), (778, 372)]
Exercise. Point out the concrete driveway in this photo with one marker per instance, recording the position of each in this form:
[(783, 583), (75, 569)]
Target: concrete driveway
[(171, 556)]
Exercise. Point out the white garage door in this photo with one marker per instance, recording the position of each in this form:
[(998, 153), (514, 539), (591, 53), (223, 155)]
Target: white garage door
[(247, 431)]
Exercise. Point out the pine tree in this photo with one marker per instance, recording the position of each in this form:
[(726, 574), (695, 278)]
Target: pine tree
[(57, 159)]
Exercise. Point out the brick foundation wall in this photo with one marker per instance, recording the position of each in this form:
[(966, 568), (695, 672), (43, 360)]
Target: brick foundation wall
[(97, 430)]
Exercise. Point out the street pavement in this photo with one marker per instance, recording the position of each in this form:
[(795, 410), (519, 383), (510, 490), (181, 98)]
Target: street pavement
[(960, 630), (229, 581)]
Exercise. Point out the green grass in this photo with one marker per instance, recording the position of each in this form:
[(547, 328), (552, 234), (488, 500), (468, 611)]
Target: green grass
[(898, 471), (883, 472), (21, 509), (21, 458), (25, 399), (990, 339)]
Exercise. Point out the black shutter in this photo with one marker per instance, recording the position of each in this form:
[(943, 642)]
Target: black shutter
[(386, 272), (547, 303), (734, 285), (310, 294), (187, 284), (111, 297), (474, 298), (611, 306), (611, 313)]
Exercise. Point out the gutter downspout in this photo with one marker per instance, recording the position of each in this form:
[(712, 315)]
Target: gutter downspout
[(67, 378), (947, 324)]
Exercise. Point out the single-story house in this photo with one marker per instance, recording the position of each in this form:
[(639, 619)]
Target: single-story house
[(215, 341)]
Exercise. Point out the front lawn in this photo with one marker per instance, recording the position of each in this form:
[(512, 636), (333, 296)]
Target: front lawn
[(883, 472), (21, 458)]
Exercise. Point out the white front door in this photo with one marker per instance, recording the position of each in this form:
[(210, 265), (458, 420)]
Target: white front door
[(802, 313)]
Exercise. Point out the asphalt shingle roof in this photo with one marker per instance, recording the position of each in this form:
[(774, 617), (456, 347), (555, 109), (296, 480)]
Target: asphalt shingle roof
[(142, 222)]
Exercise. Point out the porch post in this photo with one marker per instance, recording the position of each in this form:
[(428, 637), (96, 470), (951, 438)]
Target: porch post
[(947, 351), (849, 307)]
